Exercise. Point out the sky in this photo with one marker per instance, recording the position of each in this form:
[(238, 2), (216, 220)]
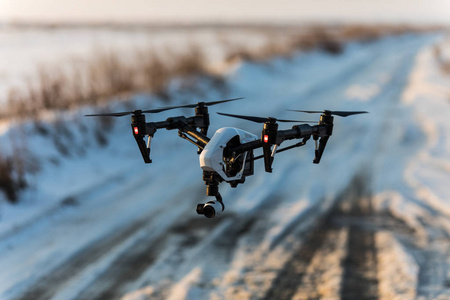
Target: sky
[(410, 11)]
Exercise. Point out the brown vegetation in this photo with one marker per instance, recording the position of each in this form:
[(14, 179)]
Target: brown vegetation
[(104, 77), (283, 42), (155, 74)]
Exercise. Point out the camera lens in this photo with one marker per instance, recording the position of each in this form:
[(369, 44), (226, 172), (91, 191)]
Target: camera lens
[(209, 211)]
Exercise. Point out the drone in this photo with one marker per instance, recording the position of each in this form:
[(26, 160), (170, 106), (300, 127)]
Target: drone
[(229, 155)]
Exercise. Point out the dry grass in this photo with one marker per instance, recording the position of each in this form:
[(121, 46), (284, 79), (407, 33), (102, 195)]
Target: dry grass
[(102, 78), (191, 63), (109, 76), (329, 39), (155, 74), (318, 37)]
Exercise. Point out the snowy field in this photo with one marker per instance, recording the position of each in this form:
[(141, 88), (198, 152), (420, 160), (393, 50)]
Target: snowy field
[(371, 221)]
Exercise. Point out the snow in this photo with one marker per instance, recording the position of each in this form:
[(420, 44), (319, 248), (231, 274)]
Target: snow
[(402, 147)]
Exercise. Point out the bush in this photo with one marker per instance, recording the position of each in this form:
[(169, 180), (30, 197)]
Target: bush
[(11, 181)]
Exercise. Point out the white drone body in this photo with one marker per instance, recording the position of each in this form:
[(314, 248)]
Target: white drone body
[(214, 159)]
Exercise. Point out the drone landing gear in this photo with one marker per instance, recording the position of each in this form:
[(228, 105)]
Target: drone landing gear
[(211, 208)]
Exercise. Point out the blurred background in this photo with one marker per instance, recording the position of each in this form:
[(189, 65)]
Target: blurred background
[(434, 11), (82, 216)]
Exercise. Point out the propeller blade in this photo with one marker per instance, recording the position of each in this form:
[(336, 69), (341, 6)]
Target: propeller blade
[(204, 103), (331, 112), (158, 110), (119, 114), (161, 109), (249, 118), (294, 121), (347, 113), (260, 119), (222, 101), (307, 111)]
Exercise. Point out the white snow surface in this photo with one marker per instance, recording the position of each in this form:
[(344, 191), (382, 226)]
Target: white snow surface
[(402, 146)]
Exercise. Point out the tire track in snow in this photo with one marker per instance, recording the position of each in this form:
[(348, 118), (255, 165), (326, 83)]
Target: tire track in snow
[(138, 257), (340, 257), (358, 277), (359, 280), (185, 236), (129, 266), (56, 279), (196, 240), (433, 279), (322, 279), (49, 284)]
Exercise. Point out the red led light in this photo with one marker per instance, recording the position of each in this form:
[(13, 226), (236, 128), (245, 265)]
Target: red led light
[(266, 138), (136, 130)]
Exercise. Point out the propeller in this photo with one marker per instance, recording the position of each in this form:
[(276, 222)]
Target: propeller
[(158, 110), (262, 120), (332, 112)]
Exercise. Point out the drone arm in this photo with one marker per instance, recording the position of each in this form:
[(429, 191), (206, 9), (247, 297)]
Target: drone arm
[(321, 132), (299, 132), (299, 144), (247, 147), (141, 129), (183, 125), (201, 139)]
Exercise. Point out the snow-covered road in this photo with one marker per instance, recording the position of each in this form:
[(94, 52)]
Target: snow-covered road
[(368, 222)]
